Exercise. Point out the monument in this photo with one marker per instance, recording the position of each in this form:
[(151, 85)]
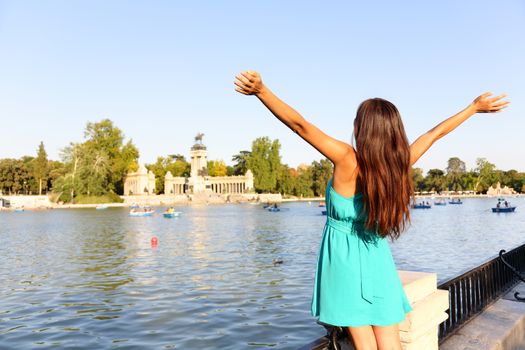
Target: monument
[(142, 182), (199, 180)]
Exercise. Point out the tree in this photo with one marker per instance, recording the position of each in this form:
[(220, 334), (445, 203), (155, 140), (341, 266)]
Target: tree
[(435, 180), (303, 181), (175, 164), (285, 180), (265, 163), (14, 176), (486, 175), (455, 170), (106, 138), (418, 179), (241, 162), (321, 172), (217, 168), (41, 168)]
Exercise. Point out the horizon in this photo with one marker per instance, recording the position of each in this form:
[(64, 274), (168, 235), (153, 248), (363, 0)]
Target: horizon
[(163, 72)]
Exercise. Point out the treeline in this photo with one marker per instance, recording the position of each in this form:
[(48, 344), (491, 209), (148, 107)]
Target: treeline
[(456, 178), (94, 170), (89, 172)]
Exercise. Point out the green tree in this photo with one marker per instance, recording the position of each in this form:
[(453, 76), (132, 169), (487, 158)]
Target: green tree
[(285, 180), (418, 179), (106, 138), (321, 173), (41, 168), (241, 162), (469, 180), (486, 175), (435, 180), (14, 176), (178, 166), (455, 170), (303, 182), (265, 163)]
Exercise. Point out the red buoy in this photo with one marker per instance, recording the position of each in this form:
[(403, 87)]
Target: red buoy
[(154, 242)]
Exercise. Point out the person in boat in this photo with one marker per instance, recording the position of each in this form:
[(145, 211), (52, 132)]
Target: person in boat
[(498, 205), (506, 204), (357, 285)]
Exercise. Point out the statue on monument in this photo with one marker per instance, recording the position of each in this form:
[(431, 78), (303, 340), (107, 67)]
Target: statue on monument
[(198, 138)]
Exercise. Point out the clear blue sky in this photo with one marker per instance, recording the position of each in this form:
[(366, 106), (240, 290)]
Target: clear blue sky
[(164, 70)]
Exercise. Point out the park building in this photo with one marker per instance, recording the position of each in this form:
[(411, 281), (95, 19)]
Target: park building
[(142, 182)]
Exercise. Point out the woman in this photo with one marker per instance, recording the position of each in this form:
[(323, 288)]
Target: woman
[(367, 200)]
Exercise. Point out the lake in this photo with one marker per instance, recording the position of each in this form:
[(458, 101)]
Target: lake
[(90, 279)]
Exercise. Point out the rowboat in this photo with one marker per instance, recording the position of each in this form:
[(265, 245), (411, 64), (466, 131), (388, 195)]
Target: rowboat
[(421, 206), (503, 210), (101, 207), (141, 212), (455, 201), (171, 213)]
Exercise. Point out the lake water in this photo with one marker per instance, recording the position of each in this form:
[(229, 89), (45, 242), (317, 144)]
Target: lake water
[(90, 279)]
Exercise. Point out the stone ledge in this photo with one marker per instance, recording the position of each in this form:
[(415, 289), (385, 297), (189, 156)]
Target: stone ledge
[(418, 285), (429, 308)]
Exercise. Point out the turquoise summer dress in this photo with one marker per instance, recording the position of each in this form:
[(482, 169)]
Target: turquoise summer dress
[(356, 282)]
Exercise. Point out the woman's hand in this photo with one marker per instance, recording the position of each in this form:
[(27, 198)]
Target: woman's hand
[(249, 83), (485, 104)]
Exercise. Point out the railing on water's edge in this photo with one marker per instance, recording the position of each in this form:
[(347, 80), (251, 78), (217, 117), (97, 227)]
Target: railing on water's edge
[(469, 294), (472, 291)]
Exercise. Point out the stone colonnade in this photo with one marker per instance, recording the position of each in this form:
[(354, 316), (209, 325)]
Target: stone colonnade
[(228, 187), (174, 185)]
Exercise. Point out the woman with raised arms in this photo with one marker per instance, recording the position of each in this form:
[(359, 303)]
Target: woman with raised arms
[(367, 200)]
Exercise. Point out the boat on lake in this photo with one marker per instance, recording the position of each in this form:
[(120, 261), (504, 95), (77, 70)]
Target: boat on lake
[(145, 211), (503, 206), (455, 201), (323, 212), (421, 206), (504, 210), (440, 201), (171, 213), (101, 207), (274, 209)]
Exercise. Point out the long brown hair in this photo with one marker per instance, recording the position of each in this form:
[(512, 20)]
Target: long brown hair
[(383, 160)]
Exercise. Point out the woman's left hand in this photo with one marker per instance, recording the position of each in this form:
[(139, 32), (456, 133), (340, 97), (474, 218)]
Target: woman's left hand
[(249, 83)]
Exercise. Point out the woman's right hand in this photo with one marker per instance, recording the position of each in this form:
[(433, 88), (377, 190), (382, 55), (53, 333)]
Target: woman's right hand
[(486, 104), (249, 83)]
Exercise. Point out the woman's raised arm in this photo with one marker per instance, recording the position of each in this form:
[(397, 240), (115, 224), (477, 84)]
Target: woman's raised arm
[(482, 104), (250, 83)]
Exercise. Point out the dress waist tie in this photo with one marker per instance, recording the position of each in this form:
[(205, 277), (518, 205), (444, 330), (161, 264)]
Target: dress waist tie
[(367, 287)]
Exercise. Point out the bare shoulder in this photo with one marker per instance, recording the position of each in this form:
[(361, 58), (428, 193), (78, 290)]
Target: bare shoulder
[(345, 176)]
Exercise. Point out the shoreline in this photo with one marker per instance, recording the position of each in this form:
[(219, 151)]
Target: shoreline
[(272, 198)]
